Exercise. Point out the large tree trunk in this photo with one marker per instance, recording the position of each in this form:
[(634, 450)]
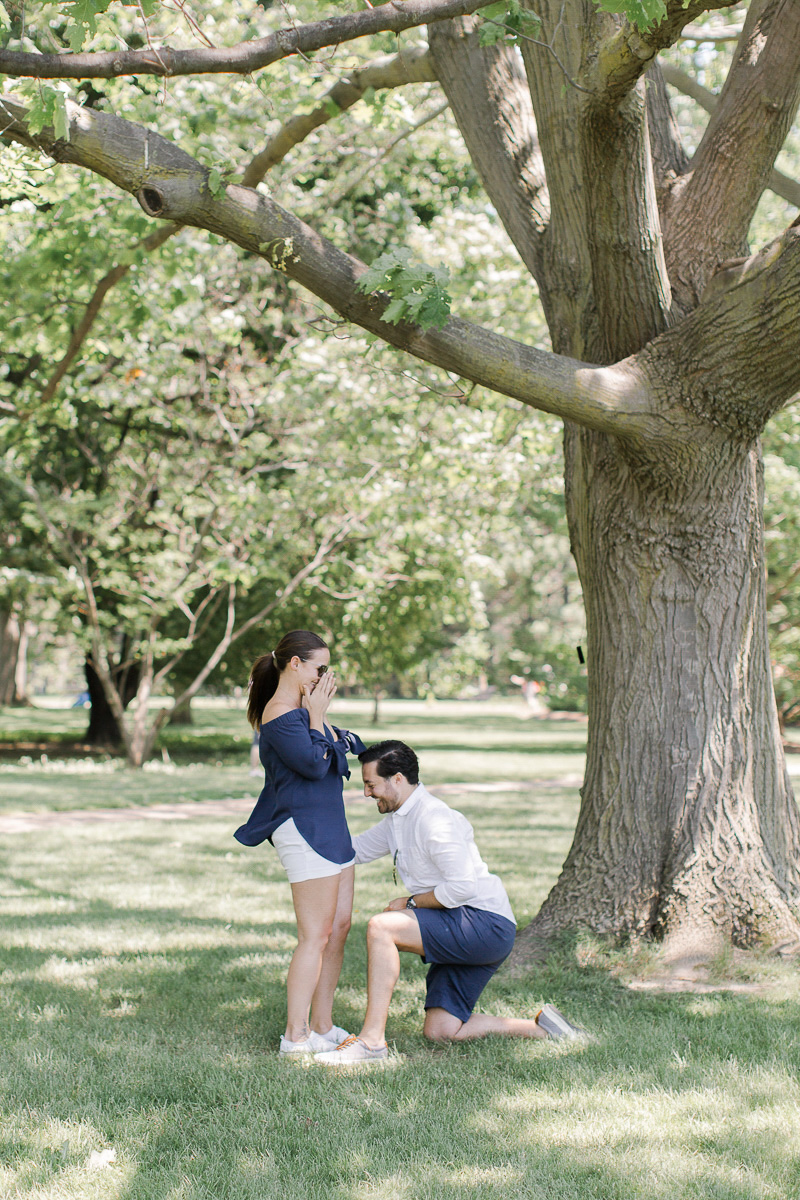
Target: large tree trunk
[(9, 652), (688, 829), (14, 636), (104, 730)]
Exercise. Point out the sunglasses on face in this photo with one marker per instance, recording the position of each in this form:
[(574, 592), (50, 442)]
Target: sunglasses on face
[(321, 669)]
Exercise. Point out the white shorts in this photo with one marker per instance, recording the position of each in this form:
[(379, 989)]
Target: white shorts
[(298, 859)]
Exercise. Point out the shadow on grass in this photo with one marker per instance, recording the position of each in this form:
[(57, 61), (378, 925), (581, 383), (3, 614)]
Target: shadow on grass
[(167, 1055)]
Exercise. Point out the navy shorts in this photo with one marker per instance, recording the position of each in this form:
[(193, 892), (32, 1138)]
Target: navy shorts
[(465, 947)]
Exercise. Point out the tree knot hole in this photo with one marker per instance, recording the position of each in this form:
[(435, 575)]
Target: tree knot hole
[(151, 200)]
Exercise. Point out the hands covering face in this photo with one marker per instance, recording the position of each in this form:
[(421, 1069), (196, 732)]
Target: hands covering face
[(318, 693)]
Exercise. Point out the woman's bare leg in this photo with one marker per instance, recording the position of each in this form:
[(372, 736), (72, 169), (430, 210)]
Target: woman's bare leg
[(322, 1000), (315, 902)]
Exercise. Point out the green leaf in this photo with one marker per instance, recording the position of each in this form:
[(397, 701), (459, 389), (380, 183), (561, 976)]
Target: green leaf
[(417, 291), (395, 311), (84, 12), (60, 118), (641, 13), (5, 19)]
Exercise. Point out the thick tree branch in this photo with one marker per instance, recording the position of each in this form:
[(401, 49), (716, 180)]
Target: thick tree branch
[(170, 184), (782, 185), (625, 56), (669, 158), (711, 33), (394, 16), (491, 102), (412, 66), (735, 360), (391, 71), (710, 216)]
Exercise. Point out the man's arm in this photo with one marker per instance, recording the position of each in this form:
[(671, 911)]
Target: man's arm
[(372, 844), (448, 843), (421, 900)]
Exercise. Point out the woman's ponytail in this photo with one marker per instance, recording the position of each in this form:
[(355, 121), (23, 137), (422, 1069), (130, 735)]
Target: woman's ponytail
[(263, 682), (266, 670)]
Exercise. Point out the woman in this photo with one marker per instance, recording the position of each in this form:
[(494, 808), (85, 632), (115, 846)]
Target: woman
[(301, 811)]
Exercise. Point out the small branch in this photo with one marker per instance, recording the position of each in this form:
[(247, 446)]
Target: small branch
[(627, 54), (337, 197), (393, 17), (391, 71), (782, 185), (524, 37)]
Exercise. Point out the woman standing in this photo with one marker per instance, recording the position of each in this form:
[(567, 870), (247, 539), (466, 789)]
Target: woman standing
[(301, 811)]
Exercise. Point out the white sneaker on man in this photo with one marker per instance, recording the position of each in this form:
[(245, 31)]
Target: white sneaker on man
[(556, 1025), (310, 1045), (352, 1050)]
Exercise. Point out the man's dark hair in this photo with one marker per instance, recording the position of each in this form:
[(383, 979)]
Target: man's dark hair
[(392, 758)]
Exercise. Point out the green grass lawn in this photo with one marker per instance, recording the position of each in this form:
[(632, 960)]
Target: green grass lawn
[(457, 742), (141, 984)]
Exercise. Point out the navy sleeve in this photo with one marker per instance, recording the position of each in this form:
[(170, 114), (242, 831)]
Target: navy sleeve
[(302, 749), (352, 741)]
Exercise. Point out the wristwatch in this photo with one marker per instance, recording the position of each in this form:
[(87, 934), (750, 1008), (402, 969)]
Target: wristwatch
[(411, 902)]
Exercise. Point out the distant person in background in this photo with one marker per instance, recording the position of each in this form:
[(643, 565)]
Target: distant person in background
[(456, 916), (531, 694), (301, 812)]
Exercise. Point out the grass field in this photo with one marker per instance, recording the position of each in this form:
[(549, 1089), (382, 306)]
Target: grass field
[(141, 984)]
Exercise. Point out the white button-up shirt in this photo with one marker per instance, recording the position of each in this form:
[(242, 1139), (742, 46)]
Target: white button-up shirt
[(433, 848)]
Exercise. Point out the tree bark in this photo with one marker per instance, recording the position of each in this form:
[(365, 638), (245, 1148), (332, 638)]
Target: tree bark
[(14, 637), (489, 97), (9, 655), (104, 730), (688, 829), (182, 714)]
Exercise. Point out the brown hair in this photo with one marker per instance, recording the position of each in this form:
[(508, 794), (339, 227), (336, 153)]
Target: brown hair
[(266, 670)]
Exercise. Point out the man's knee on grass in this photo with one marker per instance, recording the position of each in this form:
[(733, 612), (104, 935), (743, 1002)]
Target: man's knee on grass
[(441, 1026)]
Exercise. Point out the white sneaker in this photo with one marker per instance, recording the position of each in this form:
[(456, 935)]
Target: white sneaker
[(352, 1050), (556, 1025), (335, 1036), (310, 1045)]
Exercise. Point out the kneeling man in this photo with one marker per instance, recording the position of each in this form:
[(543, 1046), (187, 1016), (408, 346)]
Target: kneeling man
[(456, 916)]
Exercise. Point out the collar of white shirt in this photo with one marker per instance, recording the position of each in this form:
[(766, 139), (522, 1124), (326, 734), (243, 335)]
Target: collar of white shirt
[(410, 801)]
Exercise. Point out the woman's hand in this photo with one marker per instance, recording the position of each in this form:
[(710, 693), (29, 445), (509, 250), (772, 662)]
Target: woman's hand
[(317, 698)]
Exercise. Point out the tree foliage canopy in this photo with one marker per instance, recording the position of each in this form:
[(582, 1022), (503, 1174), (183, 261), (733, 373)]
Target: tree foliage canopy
[(671, 342)]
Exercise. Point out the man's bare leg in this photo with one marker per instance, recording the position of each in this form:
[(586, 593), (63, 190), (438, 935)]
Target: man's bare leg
[(442, 1026), (387, 934)]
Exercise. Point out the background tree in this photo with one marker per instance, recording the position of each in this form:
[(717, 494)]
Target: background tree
[(672, 347)]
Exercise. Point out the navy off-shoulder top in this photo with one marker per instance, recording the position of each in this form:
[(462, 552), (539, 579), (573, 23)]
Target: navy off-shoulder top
[(304, 770)]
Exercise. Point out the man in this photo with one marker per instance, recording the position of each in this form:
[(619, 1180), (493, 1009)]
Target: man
[(456, 916)]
